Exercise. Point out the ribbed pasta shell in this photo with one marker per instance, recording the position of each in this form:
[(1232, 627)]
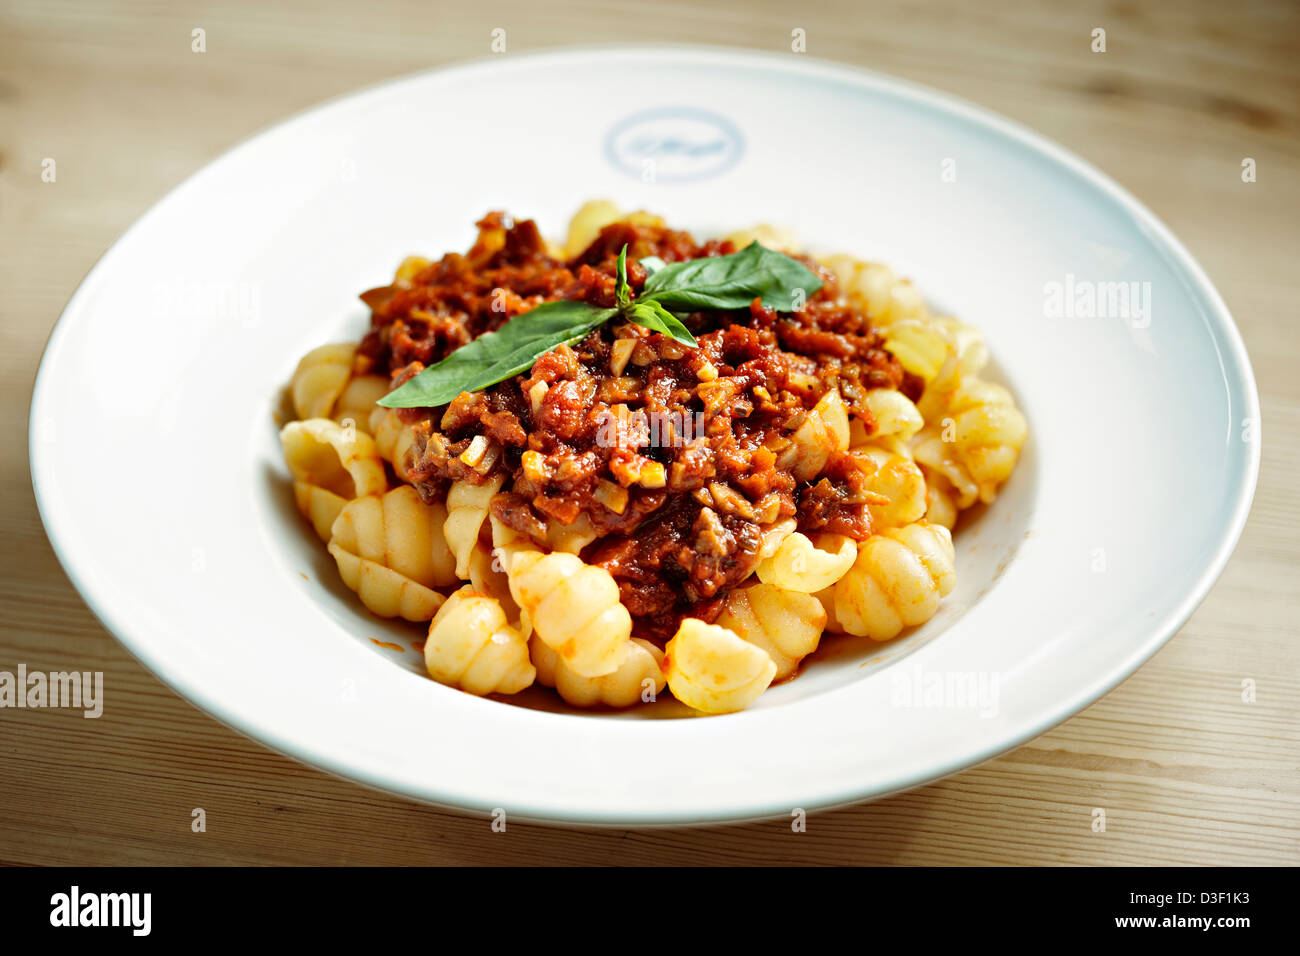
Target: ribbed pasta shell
[(394, 438), (896, 479), (894, 414), (320, 378), (382, 590), (574, 608), (591, 217), (319, 506), (787, 625), (639, 678), (713, 670), (896, 582), (467, 509), (800, 565), (769, 236), (341, 460), (824, 430), (973, 438), (472, 646), (390, 550), (356, 403)]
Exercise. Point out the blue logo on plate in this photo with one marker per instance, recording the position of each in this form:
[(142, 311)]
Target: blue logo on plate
[(674, 144)]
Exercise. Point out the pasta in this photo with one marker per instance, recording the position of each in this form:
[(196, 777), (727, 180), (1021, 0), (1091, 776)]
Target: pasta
[(638, 679), (356, 402), (330, 465), (394, 439), (595, 215), (487, 576), (976, 443), (587, 223), (774, 536), (571, 538), (787, 625), (877, 290), (696, 490), (896, 581), (826, 598), (320, 506), (713, 670), (506, 543), (940, 503), (408, 269), (922, 346), (472, 646), (325, 454), (574, 608), (895, 481), (320, 379), (824, 430), (412, 535), (391, 551), (940, 349), (774, 237), (895, 415), (467, 508), (799, 565)]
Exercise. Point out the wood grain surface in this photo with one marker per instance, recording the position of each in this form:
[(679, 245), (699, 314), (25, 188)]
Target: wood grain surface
[(1186, 772)]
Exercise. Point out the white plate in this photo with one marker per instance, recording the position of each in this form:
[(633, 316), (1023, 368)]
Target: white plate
[(159, 477)]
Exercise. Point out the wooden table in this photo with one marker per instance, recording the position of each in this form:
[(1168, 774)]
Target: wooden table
[(1186, 772)]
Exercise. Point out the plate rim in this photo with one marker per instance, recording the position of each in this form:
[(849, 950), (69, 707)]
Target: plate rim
[(1158, 633)]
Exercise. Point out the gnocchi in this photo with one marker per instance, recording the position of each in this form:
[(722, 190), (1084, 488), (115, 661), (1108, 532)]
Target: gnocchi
[(877, 290), (773, 237), (894, 414), (356, 403), (320, 506)]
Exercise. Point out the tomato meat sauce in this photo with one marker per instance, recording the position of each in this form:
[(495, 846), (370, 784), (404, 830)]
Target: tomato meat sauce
[(673, 460)]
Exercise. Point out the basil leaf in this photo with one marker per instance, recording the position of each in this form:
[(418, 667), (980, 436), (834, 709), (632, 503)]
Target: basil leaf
[(653, 316), (733, 282), (497, 356), (622, 292), (651, 264), (718, 282)]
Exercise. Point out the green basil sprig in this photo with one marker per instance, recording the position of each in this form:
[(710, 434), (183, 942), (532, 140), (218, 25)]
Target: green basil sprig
[(711, 283), (732, 282), (647, 311)]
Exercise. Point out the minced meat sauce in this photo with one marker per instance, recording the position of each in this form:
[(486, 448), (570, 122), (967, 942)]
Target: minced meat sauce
[(679, 458)]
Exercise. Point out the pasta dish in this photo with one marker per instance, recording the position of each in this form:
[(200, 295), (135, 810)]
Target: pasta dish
[(639, 461)]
